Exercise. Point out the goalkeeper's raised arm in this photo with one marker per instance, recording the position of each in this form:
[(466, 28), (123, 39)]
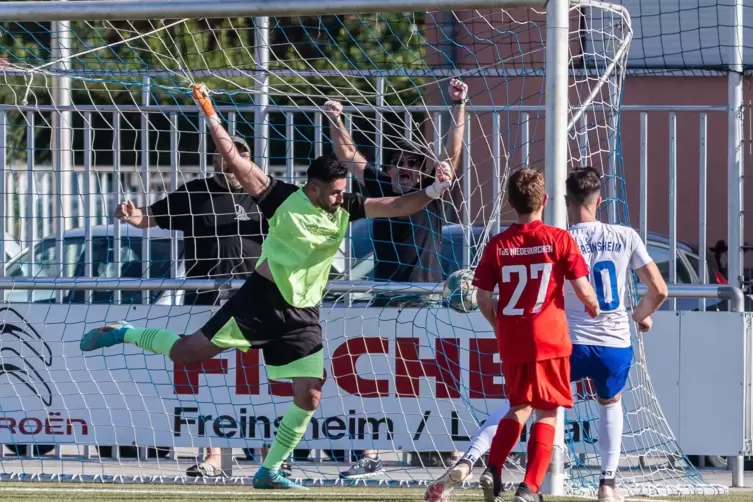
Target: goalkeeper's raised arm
[(347, 152), (248, 174)]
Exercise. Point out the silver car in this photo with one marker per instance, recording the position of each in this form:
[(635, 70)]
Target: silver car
[(47, 263)]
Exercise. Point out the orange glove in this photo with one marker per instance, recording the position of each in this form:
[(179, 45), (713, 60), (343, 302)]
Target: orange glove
[(201, 97)]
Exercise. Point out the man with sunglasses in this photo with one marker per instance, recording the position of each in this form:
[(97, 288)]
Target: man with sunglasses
[(223, 232), (406, 249)]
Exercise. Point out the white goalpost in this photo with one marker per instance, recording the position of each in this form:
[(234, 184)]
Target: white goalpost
[(410, 378)]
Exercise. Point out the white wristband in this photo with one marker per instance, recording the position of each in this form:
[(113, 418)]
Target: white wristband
[(435, 190)]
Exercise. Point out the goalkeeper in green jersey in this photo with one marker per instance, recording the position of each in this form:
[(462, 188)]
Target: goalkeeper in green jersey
[(277, 308)]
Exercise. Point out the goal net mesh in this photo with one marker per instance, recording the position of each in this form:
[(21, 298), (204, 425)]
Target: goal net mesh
[(406, 376)]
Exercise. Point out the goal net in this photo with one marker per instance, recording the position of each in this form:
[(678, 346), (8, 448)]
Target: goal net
[(98, 112)]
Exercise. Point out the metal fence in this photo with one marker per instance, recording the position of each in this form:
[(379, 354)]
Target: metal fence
[(40, 201)]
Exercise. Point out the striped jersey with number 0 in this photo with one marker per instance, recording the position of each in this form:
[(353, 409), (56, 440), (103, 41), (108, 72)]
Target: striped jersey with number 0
[(611, 251)]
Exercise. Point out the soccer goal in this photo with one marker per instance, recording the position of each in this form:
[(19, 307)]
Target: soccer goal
[(98, 109)]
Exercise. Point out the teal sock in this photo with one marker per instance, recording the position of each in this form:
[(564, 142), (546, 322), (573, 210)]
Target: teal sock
[(159, 341), (289, 434)]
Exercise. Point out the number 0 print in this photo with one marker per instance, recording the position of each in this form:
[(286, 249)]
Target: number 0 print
[(605, 282), (538, 270)]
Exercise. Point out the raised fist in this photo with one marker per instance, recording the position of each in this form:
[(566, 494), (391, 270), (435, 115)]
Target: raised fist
[(458, 90), (444, 172), (333, 110), (442, 180)]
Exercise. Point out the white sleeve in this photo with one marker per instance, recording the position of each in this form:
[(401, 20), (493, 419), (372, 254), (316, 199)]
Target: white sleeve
[(639, 257)]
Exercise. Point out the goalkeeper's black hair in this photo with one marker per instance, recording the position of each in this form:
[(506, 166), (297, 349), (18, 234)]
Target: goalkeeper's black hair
[(582, 184), (405, 146), (327, 169)]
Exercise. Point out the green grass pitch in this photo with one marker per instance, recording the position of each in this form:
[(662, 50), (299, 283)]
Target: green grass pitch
[(48, 492)]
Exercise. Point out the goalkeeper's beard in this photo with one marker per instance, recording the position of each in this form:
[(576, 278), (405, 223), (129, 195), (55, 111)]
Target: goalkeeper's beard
[(327, 207)]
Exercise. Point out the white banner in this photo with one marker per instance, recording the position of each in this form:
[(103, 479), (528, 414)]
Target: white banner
[(418, 380)]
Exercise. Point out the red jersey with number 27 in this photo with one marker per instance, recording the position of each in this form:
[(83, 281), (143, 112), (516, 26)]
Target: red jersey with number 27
[(530, 263)]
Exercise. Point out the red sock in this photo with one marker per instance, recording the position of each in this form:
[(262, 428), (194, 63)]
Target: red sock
[(540, 445), (507, 436)]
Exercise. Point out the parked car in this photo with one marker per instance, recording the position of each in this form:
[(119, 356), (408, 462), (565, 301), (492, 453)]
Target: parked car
[(47, 263), (687, 270)]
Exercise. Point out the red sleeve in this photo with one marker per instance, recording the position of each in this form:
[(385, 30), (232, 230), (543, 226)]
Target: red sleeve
[(487, 271), (575, 264)]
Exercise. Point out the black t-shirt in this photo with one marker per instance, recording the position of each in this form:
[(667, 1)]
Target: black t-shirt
[(406, 249), (278, 192), (223, 230)]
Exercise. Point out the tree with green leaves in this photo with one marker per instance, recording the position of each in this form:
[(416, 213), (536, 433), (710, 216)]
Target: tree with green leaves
[(109, 60)]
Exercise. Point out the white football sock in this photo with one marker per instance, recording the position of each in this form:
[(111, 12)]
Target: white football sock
[(610, 438), (482, 441)]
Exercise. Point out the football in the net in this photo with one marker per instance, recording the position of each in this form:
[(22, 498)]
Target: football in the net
[(459, 293)]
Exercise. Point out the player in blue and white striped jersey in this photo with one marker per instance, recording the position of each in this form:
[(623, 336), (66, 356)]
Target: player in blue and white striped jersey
[(602, 349)]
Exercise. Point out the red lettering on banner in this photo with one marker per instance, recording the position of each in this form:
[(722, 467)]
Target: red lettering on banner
[(187, 377), (36, 424), (344, 366), (409, 370), (247, 372), (33, 426), (8, 423), (483, 370), (445, 368), (281, 389), (54, 425)]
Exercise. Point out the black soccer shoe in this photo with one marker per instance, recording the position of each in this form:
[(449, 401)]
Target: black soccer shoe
[(366, 467), (524, 494), (491, 484)]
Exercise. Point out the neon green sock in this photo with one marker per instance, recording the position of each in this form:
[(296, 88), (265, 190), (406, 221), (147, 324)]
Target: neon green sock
[(160, 341), (289, 434)]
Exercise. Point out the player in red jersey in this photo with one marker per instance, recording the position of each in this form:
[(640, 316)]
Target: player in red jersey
[(530, 263)]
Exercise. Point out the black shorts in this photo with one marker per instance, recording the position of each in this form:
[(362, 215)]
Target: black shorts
[(258, 316)]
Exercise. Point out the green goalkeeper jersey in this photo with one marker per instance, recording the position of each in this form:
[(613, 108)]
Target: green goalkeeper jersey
[(303, 240)]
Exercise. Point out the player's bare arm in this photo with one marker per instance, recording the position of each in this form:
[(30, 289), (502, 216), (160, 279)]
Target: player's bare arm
[(139, 217), (458, 92), (345, 149), (347, 152), (487, 306), (586, 294), (405, 205), (650, 275), (253, 179)]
